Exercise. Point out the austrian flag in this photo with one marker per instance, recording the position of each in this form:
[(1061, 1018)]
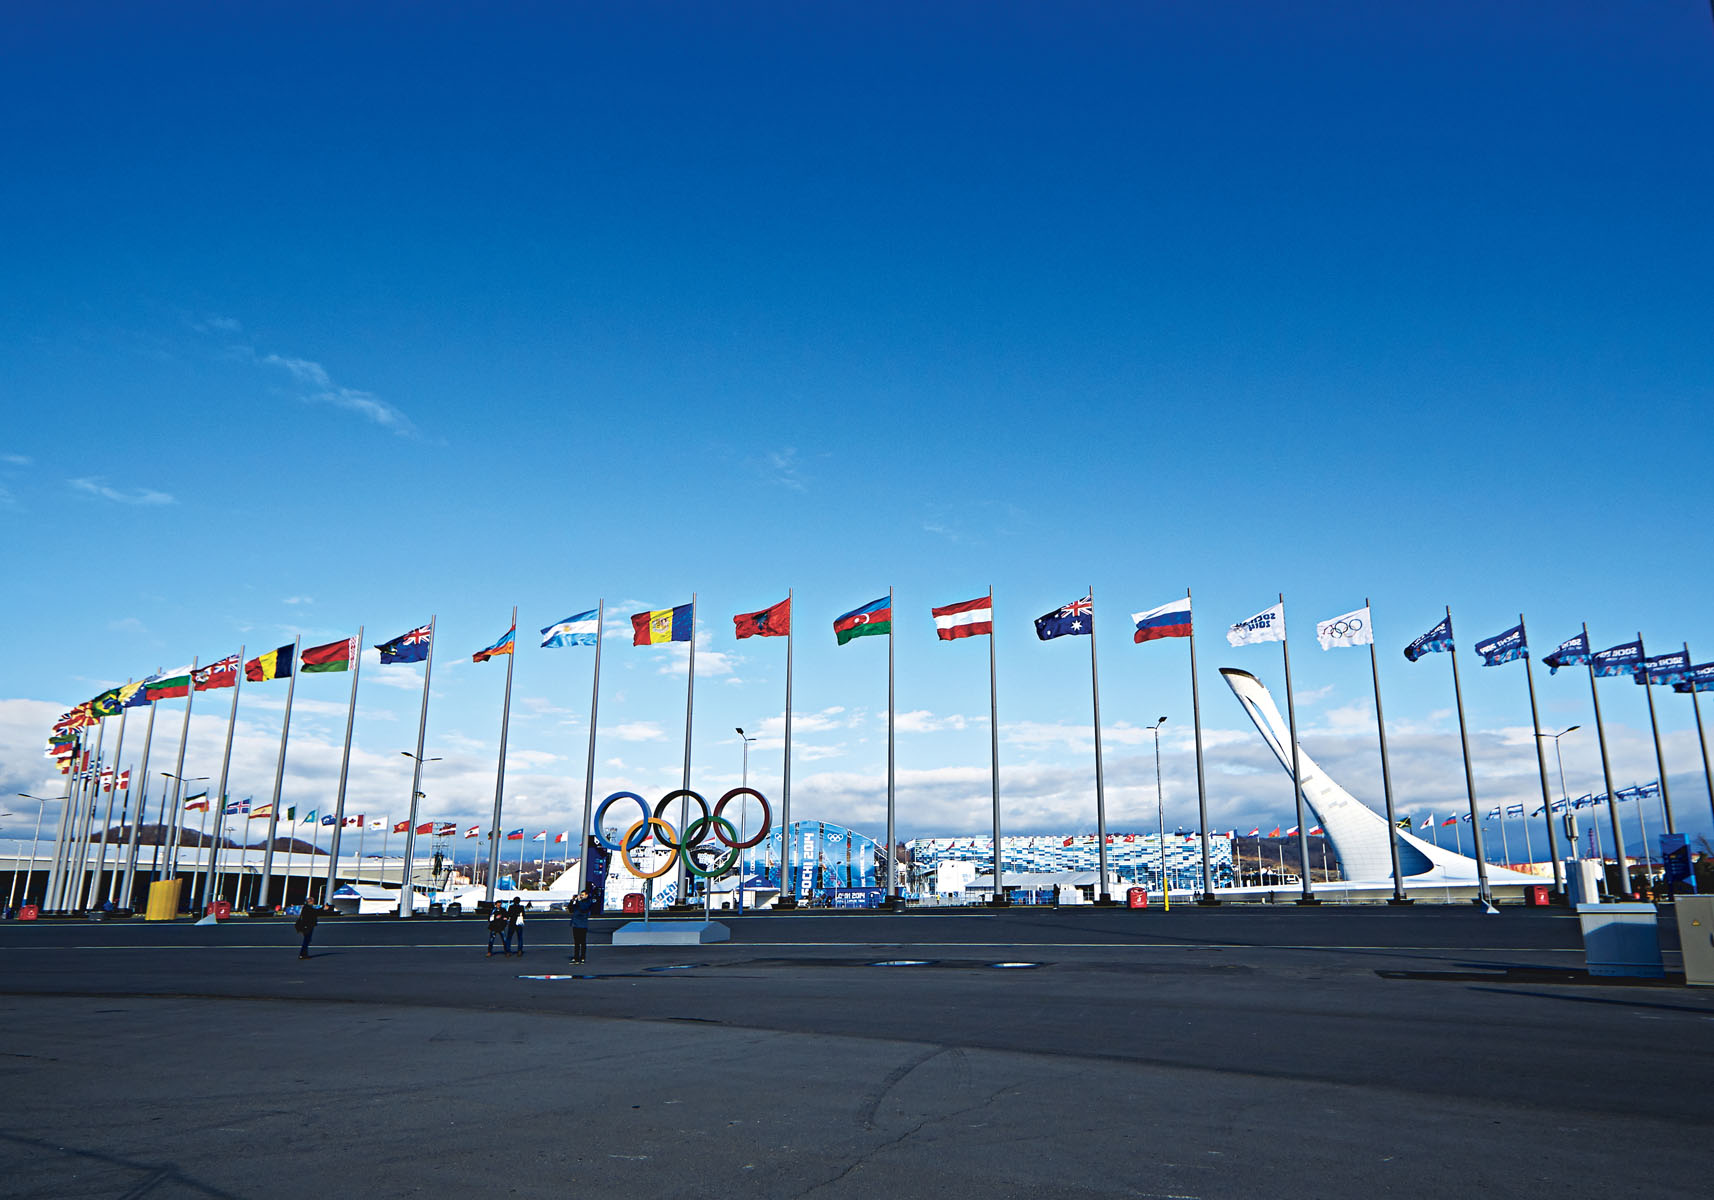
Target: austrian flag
[(970, 618)]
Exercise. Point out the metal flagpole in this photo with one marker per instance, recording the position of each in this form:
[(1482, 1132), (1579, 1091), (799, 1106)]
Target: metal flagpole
[(291, 841), (362, 836), (93, 899), (1505, 847), (892, 838), (407, 898), (1654, 725), (994, 754), (505, 723), (344, 766), (1701, 739), (1529, 850), (127, 887), (177, 829), (279, 781), (1308, 896), (1469, 773), (584, 832), (125, 822), (787, 897), (1607, 774), (1102, 895), (29, 876), (1208, 896), (1399, 896), (682, 888), (220, 789), (85, 818), (57, 863), (1541, 766)]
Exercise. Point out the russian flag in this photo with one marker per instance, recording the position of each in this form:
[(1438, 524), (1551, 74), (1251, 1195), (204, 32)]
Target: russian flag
[(1169, 620)]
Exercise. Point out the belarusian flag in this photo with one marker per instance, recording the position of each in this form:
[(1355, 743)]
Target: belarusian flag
[(335, 656), (168, 685)]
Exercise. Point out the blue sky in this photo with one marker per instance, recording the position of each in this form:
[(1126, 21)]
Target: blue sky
[(318, 317)]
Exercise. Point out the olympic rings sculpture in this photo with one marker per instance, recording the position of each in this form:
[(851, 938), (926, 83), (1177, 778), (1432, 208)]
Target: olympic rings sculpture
[(653, 823)]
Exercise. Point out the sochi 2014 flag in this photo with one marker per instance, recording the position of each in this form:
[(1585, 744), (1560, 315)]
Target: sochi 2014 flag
[(1503, 647), (1266, 626), (967, 618), (1571, 653), (1351, 629), (1437, 639), (1623, 659), (773, 621), (1701, 680), (875, 617), (661, 625), (576, 630), (1665, 668), (1170, 620)]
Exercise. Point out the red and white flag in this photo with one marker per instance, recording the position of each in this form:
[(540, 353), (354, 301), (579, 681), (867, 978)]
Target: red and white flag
[(353, 822), (562, 837), (972, 618), (125, 779), (473, 831), (426, 827)]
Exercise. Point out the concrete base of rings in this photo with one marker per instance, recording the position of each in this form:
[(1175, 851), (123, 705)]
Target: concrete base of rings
[(670, 933)]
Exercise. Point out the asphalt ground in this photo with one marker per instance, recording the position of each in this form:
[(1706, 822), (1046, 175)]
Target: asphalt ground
[(1233, 1052)]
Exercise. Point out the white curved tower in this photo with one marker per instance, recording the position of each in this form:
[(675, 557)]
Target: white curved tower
[(1356, 832)]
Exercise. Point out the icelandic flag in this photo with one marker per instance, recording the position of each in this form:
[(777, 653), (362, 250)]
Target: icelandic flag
[(407, 647), (1503, 647), (1665, 668), (1701, 680), (1623, 659), (1571, 652), (1438, 638), (1078, 617), (576, 630), (1168, 621)]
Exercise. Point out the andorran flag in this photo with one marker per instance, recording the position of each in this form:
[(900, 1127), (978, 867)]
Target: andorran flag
[(661, 625), (335, 656), (275, 664)]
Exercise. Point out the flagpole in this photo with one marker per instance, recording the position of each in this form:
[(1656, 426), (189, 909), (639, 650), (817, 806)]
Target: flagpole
[(999, 899), (1654, 725), (220, 790), (1541, 766), (1484, 894), (1102, 895), (1208, 897), (119, 845), (407, 897), (279, 780), (1607, 772), (892, 840), (85, 818), (588, 769), (291, 841), (1399, 896), (128, 885), (787, 898), (1701, 739), (344, 767), (681, 889), (177, 832), (1308, 896), (93, 898), (505, 723), (56, 865)]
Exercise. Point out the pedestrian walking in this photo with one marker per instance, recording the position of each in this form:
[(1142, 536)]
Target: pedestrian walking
[(515, 924), (308, 915), (581, 906), (497, 929)]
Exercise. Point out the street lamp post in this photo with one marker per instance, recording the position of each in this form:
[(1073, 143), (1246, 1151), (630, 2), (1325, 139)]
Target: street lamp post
[(1564, 796), (744, 820), (41, 806), (180, 797), (1160, 818), (406, 896)]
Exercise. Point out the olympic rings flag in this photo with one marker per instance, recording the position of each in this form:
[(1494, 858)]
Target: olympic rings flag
[(1352, 629), (653, 824)]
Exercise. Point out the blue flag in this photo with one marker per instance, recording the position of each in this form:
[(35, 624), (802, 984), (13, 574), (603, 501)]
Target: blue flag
[(1701, 680), (1572, 652), (1618, 660), (576, 630), (1078, 617), (1665, 668), (407, 647), (329, 819), (1503, 647), (1438, 638)]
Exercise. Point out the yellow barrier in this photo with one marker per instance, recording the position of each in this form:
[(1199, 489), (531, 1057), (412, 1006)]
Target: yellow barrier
[(163, 900)]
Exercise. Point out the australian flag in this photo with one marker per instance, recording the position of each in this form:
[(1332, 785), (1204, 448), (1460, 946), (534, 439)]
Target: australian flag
[(407, 647), (1075, 618), (1571, 653), (1438, 638), (1626, 659), (1503, 647)]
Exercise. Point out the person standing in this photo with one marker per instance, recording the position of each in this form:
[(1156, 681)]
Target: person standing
[(497, 929), (515, 924), (581, 906), (308, 915)]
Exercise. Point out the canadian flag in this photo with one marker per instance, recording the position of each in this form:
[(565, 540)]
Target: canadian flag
[(354, 822)]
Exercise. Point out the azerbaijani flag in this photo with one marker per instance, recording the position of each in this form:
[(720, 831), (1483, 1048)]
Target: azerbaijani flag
[(168, 685), (874, 617), (1169, 620), (968, 618), (275, 664), (661, 625), (503, 646), (335, 656)]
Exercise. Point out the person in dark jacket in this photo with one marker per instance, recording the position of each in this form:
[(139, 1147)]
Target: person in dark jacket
[(582, 905), (497, 929), (308, 915), (515, 924)]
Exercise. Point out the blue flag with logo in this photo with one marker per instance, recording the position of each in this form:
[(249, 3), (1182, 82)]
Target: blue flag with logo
[(1573, 652), (1626, 659), (1701, 680), (1078, 617), (1503, 647), (1438, 638), (1665, 668)]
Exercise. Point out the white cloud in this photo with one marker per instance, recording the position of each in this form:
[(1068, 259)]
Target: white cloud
[(785, 468), (17, 460), (96, 486), (298, 600), (635, 731), (322, 390), (126, 625), (923, 721)]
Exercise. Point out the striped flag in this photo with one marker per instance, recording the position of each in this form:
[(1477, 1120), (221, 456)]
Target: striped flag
[(968, 618)]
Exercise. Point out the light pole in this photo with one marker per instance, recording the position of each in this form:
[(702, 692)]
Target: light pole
[(406, 896), (1160, 818), (41, 805), (1564, 796), (743, 819)]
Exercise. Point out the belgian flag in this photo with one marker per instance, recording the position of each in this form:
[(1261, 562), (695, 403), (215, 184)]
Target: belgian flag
[(275, 664)]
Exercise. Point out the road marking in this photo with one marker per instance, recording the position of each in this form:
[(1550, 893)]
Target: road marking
[(474, 947)]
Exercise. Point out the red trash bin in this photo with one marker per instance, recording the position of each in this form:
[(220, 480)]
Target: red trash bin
[(29, 912), (220, 910), (1539, 893), (633, 902), (1137, 897)]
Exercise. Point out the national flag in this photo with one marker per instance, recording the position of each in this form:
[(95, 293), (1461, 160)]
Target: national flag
[(353, 822), (402, 827), (1436, 639), (1075, 619), (168, 685), (1465, 818), (1403, 822), (426, 827), (1624, 659), (445, 829), (773, 621), (1503, 647), (1275, 833), (504, 646), (1449, 821), (1571, 652), (1168, 621), (1318, 831), (335, 656), (1130, 837), (1492, 815), (563, 836), (216, 675), (1067, 842), (473, 831), (1427, 821), (1665, 668), (1514, 810), (237, 807), (197, 803), (1266, 626), (540, 837), (309, 818), (576, 630), (517, 835), (291, 815), (106, 779), (330, 819), (133, 695), (1292, 832), (377, 823), (262, 810), (875, 617), (661, 625), (407, 647), (275, 664), (125, 779), (1350, 629), (106, 704), (968, 618), (1701, 680)]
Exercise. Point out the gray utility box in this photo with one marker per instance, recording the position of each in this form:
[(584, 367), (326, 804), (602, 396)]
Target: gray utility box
[(1696, 938), (1621, 939)]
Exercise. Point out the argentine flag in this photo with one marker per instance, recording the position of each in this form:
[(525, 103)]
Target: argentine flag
[(579, 630)]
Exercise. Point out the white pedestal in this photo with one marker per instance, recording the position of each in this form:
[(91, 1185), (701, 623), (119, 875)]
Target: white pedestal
[(670, 933)]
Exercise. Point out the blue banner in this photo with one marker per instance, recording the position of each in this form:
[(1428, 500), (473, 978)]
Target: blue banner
[(1503, 647), (595, 867), (1438, 638), (1626, 659), (1573, 652), (1665, 668), (1675, 854), (1701, 680)]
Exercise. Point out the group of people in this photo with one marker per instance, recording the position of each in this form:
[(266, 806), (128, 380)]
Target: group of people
[(505, 921)]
